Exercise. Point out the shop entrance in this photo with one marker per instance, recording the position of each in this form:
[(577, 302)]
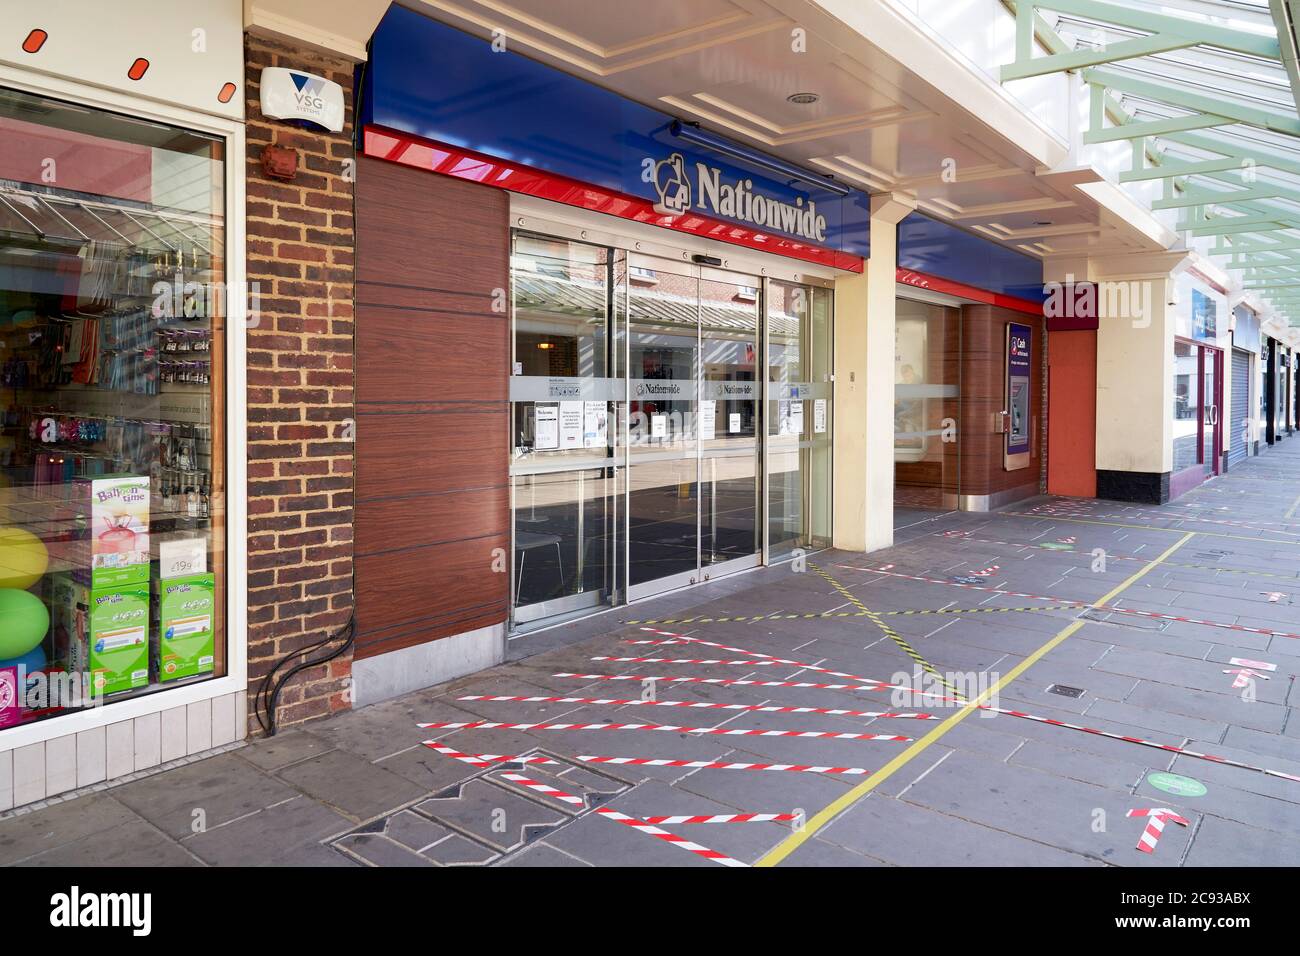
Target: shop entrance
[(650, 448)]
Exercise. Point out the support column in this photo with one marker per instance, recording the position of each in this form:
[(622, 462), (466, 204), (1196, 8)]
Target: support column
[(864, 387)]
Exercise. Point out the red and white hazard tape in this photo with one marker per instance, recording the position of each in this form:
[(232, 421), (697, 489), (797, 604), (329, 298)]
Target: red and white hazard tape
[(726, 818), (985, 572), (1078, 604), (489, 760), (701, 705), (480, 760), (1132, 515), (671, 728), (1156, 819), (869, 684), (623, 818), (727, 681)]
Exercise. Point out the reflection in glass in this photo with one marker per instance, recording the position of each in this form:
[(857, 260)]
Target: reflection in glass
[(1186, 410), (564, 541), (663, 352), (927, 354)]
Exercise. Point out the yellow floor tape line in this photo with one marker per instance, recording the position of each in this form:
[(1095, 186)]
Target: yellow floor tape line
[(834, 809)]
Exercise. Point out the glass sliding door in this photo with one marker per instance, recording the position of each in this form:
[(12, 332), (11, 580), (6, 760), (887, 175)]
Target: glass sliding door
[(650, 449), (799, 409), (730, 528), (663, 354), (564, 500)]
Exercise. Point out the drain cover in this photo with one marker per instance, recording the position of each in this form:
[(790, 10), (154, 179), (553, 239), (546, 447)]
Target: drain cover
[(1065, 690)]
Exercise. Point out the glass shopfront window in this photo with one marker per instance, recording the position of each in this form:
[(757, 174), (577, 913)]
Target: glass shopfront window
[(112, 337), (927, 396)]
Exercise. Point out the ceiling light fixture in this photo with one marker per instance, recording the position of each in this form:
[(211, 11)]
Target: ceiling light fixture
[(803, 99)]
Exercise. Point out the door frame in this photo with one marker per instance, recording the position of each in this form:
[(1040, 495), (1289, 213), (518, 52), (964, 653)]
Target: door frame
[(538, 217)]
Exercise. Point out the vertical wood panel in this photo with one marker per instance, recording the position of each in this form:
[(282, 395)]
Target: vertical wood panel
[(432, 360)]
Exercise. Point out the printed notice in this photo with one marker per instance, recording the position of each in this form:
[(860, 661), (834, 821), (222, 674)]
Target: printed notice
[(708, 412), (571, 424), (658, 426), (796, 417), (546, 427), (733, 423), (595, 429), (819, 415)]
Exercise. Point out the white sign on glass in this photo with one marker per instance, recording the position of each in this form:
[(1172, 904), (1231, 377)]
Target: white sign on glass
[(546, 427)]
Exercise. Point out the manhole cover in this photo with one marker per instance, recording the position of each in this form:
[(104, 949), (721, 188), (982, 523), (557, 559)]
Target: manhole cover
[(479, 820), (1065, 690)]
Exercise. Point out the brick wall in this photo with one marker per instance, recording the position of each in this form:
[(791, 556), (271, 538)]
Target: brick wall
[(300, 393)]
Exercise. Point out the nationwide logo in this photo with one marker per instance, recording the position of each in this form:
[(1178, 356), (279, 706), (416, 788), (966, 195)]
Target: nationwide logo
[(649, 388), (733, 200)]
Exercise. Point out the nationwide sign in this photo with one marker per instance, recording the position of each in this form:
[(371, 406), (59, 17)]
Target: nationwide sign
[(736, 199)]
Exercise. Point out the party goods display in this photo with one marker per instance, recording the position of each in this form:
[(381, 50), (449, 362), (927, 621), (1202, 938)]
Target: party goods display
[(24, 621), (23, 559), (183, 642), (108, 632), (112, 516)]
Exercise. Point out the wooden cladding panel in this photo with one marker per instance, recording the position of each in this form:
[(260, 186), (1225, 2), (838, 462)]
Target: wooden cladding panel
[(433, 353), (984, 345)]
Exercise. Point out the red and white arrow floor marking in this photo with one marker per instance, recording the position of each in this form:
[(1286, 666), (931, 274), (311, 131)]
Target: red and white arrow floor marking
[(702, 705), (1244, 675), (642, 825), (720, 731), (1156, 819), (1079, 604)]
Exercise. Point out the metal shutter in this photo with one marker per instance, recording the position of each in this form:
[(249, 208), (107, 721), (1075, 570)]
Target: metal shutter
[(1240, 407)]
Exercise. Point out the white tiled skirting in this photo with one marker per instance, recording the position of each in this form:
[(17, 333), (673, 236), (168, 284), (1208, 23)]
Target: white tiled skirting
[(38, 771)]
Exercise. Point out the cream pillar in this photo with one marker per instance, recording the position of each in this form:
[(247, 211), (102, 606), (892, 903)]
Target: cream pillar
[(864, 387)]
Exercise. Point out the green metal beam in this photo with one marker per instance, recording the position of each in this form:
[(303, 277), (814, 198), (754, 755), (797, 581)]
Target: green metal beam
[(1201, 197), (1200, 31), (1177, 124), (1123, 50), (1168, 170), (1186, 99), (1228, 227)]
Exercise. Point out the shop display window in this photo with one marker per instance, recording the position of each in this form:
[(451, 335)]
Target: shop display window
[(112, 337)]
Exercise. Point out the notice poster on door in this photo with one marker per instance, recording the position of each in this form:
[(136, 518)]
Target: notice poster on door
[(819, 416), (708, 414), (796, 417), (595, 427), (571, 424), (546, 427), (1018, 397), (733, 423)]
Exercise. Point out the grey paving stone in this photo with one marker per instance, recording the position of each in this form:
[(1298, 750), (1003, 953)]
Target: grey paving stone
[(1091, 768), (134, 843), (902, 833), (268, 836), (1043, 807), (286, 747), (1260, 742), (69, 823), (375, 849), (351, 784), (208, 792), (1157, 720), (1257, 714), (818, 852), (1252, 809), (491, 814), (1222, 842), (542, 855)]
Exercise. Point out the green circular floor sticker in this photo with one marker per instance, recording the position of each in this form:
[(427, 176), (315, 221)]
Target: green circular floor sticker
[(1180, 786)]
